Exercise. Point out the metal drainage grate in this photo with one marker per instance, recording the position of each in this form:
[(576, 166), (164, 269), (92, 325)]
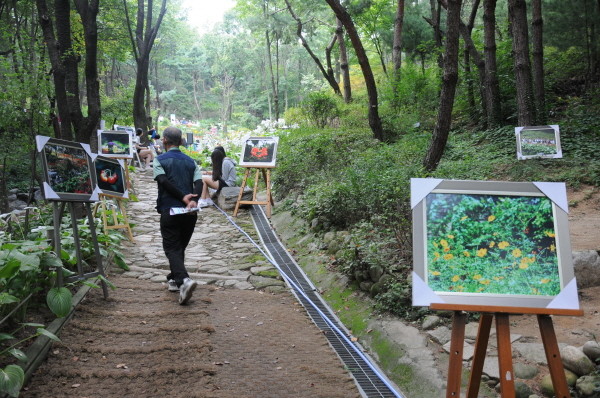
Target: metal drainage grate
[(368, 377)]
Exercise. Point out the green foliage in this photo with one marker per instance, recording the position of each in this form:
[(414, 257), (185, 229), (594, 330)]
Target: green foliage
[(320, 108), (59, 300)]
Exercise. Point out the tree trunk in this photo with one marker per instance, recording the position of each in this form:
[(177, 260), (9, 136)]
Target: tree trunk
[(449, 80), (363, 60), (537, 27), (344, 61), (478, 61), (436, 12), (492, 87), (517, 15), (397, 45), (274, 86)]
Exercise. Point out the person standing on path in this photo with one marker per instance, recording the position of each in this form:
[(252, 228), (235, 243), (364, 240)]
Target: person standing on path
[(179, 183)]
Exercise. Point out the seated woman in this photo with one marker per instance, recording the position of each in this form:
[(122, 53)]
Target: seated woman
[(223, 174), (144, 151)]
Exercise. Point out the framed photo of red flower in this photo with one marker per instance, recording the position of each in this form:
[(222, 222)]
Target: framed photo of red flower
[(502, 244), (67, 170), (110, 174), (259, 152)]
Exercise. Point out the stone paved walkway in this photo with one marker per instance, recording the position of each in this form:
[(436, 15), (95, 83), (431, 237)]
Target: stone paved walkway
[(218, 252)]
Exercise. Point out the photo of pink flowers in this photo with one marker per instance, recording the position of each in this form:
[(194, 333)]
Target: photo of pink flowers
[(259, 152), (491, 244)]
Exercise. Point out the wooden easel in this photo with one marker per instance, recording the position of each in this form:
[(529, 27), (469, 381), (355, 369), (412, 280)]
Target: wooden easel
[(57, 212), (115, 224), (507, 382), (266, 173)]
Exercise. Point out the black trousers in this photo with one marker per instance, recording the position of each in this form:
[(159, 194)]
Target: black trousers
[(176, 232)]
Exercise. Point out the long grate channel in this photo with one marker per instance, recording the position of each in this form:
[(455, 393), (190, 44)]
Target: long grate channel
[(371, 381)]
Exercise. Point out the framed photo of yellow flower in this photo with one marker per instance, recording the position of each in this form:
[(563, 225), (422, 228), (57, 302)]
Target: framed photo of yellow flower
[(492, 243)]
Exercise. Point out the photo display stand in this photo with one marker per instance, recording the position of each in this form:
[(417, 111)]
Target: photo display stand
[(259, 153), (58, 209), (266, 174), (118, 207), (504, 246)]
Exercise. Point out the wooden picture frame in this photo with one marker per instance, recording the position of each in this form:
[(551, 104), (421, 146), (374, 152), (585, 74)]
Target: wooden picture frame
[(259, 152), (501, 244), (538, 142), (68, 172), (115, 144), (111, 176)]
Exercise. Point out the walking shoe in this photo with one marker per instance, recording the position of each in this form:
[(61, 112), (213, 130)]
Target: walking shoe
[(173, 286), (203, 203), (209, 202), (186, 290)]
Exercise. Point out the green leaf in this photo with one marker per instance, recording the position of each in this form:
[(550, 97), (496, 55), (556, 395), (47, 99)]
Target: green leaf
[(49, 260), (121, 263), (33, 324), (20, 355), (6, 298), (12, 378), (59, 300), (48, 334), (10, 269), (6, 336)]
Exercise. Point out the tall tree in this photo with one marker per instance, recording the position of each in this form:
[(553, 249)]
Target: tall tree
[(397, 47), (363, 60), (449, 80), (64, 60), (517, 15), (146, 29), (344, 66), (492, 86), (537, 28)]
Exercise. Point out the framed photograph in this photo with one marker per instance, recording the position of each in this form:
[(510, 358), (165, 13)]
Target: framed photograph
[(115, 144), (68, 174), (110, 174), (538, 142), (502, 244), (259, 152)]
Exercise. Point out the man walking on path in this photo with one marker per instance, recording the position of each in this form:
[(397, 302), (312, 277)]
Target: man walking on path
[(179, 182)]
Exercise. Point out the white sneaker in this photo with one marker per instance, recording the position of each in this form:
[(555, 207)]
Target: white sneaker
[(186, 290), (209, 202), (173, 286), (203, 203)]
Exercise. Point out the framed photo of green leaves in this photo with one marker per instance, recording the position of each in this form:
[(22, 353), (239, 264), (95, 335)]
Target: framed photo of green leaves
[(67, 170), (115, 144), (538, 142), (259, 152), (501, 244)]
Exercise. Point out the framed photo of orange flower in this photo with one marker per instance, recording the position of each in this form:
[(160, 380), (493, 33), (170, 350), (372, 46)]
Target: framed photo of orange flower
[(259, 152), (492, 243)]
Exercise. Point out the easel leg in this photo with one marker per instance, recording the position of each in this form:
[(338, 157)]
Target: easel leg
[(456, 354), (507, 379), (557, 373), (267, 177), (125, 219), (99, 265), (483, 337), (244, 182), (56, 218)]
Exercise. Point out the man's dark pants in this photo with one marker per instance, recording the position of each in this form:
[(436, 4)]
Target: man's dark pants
[(176, 233)]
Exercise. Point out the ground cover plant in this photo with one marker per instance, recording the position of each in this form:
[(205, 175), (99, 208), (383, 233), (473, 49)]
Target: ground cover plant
[(491, 244)]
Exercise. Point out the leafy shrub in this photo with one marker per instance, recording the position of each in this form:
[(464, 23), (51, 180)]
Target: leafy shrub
[(320, 108)]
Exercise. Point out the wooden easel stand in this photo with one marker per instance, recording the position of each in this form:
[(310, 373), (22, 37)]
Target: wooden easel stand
[(115, 224), (507, 382), (266, 174), (57, 213)]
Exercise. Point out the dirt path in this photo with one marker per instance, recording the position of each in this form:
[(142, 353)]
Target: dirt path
[(230, 341)]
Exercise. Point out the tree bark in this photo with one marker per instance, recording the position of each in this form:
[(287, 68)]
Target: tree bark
[(327, 74), (449, 80), (363, 60), (344, 61), (537, 27), (397, 45), (492, 86), (517, 15)]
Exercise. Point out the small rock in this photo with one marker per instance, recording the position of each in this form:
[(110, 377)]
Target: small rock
[(522, 390), (576, 361), (430, 322), (592, 350), (588, 386), (524, 371)]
